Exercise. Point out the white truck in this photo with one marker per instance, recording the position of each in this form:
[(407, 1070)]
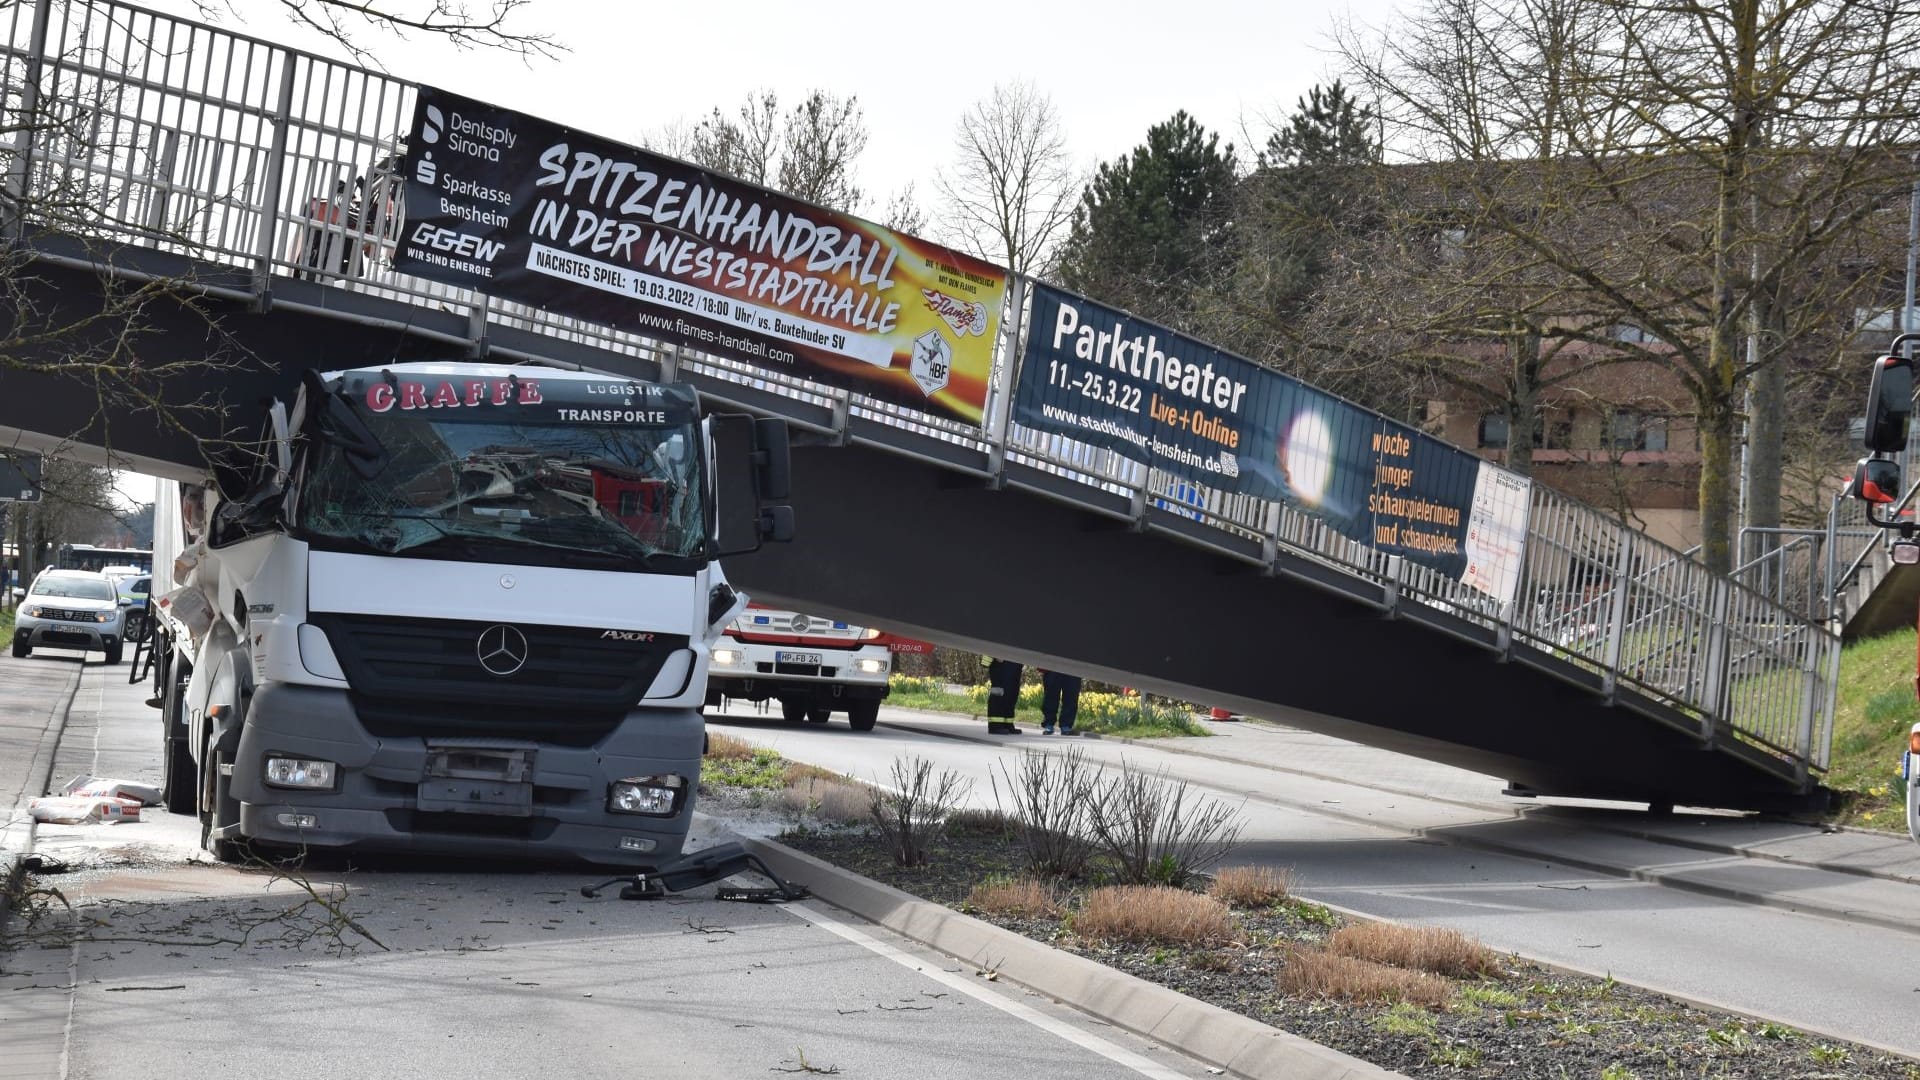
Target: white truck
[(811, 665), (457, 607)]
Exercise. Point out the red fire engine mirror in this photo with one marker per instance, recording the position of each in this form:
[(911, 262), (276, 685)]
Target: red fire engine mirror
[(1875, 480)]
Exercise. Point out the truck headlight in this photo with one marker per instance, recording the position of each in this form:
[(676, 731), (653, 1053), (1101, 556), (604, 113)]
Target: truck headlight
[(293, 772), (727, 657), (654, 796), (870, 667)]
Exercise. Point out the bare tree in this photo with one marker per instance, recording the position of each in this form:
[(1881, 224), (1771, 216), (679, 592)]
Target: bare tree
[(740, 145), (1725, 157), (824, 137), (1010, 194), (904, 214), (809, 153), (345, 21)]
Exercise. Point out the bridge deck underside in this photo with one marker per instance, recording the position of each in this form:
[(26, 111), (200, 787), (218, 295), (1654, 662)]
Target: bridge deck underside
[(922, 545)]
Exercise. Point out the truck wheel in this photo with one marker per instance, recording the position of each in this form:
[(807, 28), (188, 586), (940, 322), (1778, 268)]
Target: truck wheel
[(20, 646), (862, 714), (220, 809), (818, 715), (178, 786), (792, 711)]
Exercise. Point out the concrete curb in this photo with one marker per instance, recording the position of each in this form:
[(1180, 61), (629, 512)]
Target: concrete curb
[(17, 832), (1209, 1033)]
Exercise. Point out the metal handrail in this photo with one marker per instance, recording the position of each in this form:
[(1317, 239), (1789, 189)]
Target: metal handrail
[(279, 129)]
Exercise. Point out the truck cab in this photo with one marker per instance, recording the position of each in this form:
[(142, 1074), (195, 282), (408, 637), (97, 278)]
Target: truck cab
[(812, 665), (461, 608)]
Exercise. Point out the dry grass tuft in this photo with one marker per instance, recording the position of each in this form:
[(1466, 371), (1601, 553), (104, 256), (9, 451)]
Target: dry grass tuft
[(977, 822), (1312, 972), (1023, 898), (829, 797), (1154, 913), (799, 774), (843, 803), (1417, 948), (723, 747), (1250, 886)]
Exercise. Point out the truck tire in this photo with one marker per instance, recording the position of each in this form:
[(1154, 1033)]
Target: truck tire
[(792, 711), (863, 714), (179, 780), (818, 715), (20, 646), (219, 809)]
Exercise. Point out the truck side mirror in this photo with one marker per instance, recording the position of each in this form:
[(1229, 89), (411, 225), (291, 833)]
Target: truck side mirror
[(773, 462), (1889, 404), (1875, 480), (749, 459)]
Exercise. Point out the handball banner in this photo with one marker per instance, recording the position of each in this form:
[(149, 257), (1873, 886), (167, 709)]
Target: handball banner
[(540, 214), (1187, 409)]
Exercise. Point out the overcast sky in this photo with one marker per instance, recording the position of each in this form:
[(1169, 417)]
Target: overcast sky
[(1112, 68)]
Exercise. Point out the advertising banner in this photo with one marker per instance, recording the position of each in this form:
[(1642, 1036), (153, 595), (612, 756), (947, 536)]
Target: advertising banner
[(1190, 410), (540, 214)]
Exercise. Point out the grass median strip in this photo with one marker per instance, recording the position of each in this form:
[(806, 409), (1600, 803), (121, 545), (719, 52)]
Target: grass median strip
[(1426, 1002)]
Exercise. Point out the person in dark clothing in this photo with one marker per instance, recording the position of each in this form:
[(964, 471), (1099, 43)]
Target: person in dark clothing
[(1059, 700), (1003, 676)]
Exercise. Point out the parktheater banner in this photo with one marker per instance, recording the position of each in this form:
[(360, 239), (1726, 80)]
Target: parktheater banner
[(540, 214), (1096, 375)]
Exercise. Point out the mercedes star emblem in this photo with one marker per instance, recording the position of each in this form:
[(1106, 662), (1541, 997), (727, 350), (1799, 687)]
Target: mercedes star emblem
[(800, 624), (506, 581), (502, 649)]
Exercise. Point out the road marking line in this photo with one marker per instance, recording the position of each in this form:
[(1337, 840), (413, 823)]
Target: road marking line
[(1018, 1010)]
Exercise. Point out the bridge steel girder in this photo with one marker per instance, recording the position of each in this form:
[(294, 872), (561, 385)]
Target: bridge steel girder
[(932, 546), (888, 541)]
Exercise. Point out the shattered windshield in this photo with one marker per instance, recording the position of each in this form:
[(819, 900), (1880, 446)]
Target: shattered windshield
[(509, 485)]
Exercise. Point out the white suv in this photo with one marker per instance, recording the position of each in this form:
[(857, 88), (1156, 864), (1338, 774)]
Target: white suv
[(71, 609)]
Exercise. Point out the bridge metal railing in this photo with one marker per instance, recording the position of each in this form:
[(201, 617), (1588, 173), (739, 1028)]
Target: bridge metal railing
[(132, 127)]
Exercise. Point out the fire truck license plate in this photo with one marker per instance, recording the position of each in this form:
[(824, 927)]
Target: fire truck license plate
[(784, 657)]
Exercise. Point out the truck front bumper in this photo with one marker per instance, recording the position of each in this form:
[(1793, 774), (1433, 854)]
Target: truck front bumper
[(391, 794)]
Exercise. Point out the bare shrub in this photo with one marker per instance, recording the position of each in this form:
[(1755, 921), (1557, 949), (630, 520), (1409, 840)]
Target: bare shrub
[(1154, 913), (1024, 898), (1418, 948), (1049, 796), (911, 814), (1313, 972), (1250, 886), (728, 748), (1155, 830)]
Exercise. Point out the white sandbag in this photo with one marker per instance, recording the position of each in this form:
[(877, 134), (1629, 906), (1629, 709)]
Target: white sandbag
[(145, 794), (82, 810)]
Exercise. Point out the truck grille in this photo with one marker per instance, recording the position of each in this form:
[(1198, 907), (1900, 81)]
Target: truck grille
[(565, 669), (426, 720)]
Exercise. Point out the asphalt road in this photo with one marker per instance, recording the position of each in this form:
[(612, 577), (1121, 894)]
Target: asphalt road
[(174, 967), (1343, 818)]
